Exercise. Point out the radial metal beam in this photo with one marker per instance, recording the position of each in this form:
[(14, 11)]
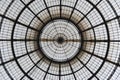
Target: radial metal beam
[(59, 71), (6, 70), (73, 9), (33, 12), (47, 9), (77, 40), (102, 58), (107, 21), (88, 12), (47, 70), (60, 8), (86, 67), (72, 71), (18, 57), (18, 40), (5, 13), (31, 68), (24, 25), (101, 40)]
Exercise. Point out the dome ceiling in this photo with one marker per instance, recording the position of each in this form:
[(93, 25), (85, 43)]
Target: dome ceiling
[(59, 39)]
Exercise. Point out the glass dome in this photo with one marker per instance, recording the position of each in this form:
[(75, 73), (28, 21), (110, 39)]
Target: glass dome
[(59, 39)]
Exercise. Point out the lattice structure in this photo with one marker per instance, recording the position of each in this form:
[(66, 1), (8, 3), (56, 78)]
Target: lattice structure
[(59, 39)]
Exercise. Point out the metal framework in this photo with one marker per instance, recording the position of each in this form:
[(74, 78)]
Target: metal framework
[(59, 39)]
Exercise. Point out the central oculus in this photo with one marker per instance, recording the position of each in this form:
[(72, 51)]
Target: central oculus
[(60, 40)]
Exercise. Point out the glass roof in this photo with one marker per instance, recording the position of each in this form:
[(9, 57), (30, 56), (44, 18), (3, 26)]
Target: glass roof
[(59, 39)]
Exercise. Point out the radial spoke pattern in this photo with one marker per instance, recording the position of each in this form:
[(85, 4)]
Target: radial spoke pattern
[(59, 39)]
